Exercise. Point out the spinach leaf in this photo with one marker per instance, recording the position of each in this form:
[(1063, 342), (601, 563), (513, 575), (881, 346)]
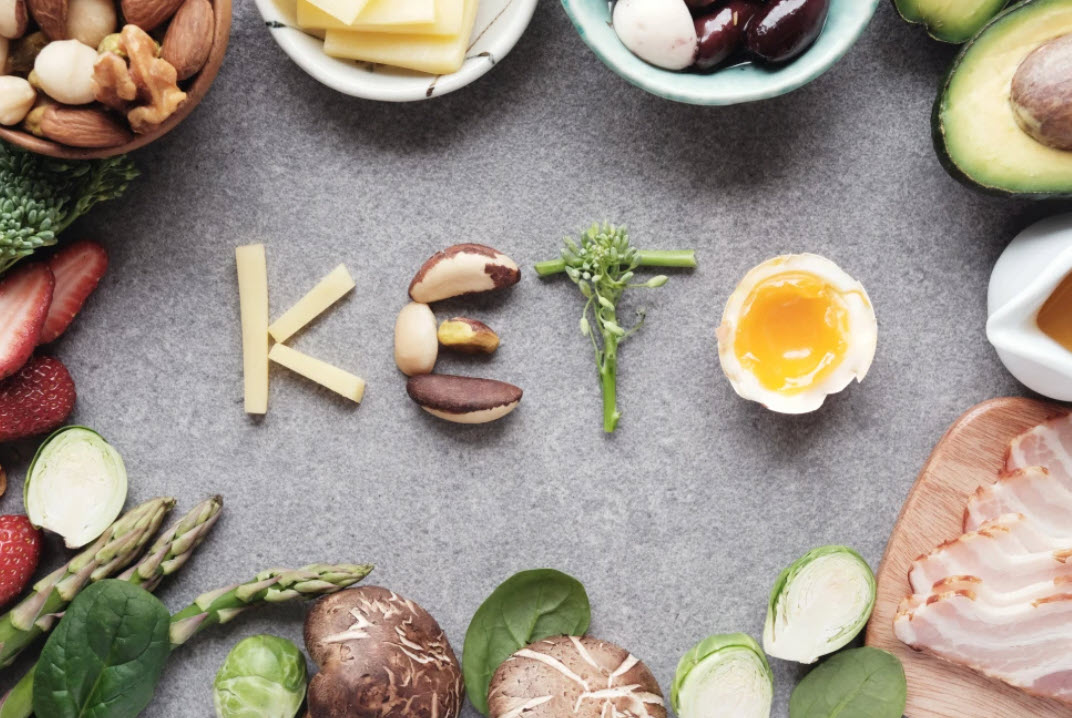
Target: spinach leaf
[(528, 607), (861, 683), (105, 657)]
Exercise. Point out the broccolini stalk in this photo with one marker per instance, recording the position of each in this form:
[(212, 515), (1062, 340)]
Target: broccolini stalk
[(602, 267), (40, 197)]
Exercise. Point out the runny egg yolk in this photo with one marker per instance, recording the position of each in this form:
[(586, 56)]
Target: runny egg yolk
[(792, 331)]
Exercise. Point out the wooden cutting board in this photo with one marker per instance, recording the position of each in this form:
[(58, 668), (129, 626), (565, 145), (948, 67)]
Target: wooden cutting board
[(971, 453)]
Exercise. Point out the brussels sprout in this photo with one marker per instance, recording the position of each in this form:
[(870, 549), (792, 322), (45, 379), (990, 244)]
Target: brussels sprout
[(76, 485), (724, 677), (263, 677), (819, 604)]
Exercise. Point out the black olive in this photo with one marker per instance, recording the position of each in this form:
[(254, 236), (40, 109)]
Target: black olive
[(722, 32), (785, 28)]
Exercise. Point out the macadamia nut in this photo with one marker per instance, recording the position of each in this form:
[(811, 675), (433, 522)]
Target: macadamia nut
[(90, 21), (64, 71), (16, 99), (13, 18)]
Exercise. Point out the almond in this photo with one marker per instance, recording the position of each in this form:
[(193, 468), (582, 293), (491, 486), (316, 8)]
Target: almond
[(149, 14), (51, 15), (189, 38), (77, 126), (463, 269), (462, 399)]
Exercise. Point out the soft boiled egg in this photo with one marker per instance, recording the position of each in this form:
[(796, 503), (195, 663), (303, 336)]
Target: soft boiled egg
[(796, 330)]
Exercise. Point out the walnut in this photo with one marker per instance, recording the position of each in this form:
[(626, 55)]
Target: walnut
[(144, 80), (112, 83)]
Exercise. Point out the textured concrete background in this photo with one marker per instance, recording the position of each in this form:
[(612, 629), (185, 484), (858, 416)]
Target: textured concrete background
[(678, 524)]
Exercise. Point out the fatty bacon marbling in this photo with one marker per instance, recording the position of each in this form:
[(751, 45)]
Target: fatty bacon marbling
[(998, 599)]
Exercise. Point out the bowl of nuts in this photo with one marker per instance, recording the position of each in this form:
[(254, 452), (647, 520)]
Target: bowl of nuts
[(85, 79)]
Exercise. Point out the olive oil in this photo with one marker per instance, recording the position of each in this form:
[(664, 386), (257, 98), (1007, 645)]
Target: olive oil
[(1055, 317)]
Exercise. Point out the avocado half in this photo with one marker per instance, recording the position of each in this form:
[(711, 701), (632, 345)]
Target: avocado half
[(975, 132), (954, 22)]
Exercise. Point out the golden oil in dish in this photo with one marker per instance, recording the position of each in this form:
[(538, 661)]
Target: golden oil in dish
[(1055, 317)]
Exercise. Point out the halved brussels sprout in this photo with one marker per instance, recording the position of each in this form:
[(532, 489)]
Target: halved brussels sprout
[(76, 485), (724, 677), (819, 604), (262, 677)]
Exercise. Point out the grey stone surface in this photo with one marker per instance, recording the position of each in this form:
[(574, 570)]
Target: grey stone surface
[(678, 524)]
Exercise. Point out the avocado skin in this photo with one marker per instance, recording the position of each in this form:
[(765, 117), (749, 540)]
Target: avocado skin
[(938, 128), (935, 34)]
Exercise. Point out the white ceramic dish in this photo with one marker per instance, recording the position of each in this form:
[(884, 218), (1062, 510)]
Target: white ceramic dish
[(499, 25), (1028, 272)]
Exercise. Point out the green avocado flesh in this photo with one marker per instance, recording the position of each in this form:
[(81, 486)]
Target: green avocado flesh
[(950, 20), (975, 131)]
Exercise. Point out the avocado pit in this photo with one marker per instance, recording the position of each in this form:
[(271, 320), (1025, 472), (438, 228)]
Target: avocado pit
[(1041, 95)]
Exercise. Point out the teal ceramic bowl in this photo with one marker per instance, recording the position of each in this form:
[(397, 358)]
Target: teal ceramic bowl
[(743, 83)]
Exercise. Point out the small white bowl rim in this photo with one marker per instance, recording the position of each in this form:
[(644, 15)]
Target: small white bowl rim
[(812, 64), (350, 78)]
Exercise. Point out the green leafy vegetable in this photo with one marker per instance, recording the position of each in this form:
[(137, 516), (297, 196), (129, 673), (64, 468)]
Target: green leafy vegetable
[(602, 267), (729, 672), (105, 657), (262, 677), (860, 683), (527, 607), (40, 197), (819, 604)]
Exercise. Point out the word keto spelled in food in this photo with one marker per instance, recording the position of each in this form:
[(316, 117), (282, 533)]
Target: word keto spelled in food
[(796, 329), (257, 333), (705, 35), (457, 271), (424, 35), (996, 599)]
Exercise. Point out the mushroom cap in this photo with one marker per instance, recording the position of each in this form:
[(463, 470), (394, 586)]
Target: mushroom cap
[(380, 656), (568, 676)]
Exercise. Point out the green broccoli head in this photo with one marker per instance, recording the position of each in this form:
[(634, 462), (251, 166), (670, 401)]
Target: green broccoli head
[(40, 197)]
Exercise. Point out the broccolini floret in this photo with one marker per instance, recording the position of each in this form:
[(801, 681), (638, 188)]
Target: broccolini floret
[(40, 197)]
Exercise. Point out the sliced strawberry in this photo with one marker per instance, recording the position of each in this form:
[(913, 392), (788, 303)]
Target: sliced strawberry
[(20, 550), (78, 269), (37, 399), (25, 296)]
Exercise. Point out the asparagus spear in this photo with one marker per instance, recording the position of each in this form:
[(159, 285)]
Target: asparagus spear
[(123, 542), (217, 607)]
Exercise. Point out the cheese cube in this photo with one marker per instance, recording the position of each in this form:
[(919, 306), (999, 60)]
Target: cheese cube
[(435, 55), (449, 16), (328, 290), (345, 11), (341, 382), (253, 305)]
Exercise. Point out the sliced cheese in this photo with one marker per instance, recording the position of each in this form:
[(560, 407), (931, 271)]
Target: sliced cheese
[(397, 12), (345, 11), (341, 382), (448, 22), (435, 55), (328, 290), (253, 301)]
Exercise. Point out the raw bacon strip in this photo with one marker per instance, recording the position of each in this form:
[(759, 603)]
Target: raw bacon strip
[(1048, 445), (1033, 492), (1027, 646), (1007, 555), (983, 593)]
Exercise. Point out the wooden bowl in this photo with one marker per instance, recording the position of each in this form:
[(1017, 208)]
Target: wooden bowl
[(196, 90)]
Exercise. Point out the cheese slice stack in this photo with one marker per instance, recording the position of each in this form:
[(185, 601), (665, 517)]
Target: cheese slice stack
[(424, 35)]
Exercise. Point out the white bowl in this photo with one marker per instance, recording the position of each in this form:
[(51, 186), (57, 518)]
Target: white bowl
[(499, 25)]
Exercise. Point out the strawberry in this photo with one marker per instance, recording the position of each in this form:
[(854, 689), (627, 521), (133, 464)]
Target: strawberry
[(25, 296), (37, 399), (78, 269), (20, 548)]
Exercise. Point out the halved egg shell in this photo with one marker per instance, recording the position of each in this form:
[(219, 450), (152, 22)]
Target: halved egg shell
[(796, 330)]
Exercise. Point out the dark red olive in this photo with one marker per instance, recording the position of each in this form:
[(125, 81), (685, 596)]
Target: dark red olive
[(722, 32), (700, 4), (785, 28)]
